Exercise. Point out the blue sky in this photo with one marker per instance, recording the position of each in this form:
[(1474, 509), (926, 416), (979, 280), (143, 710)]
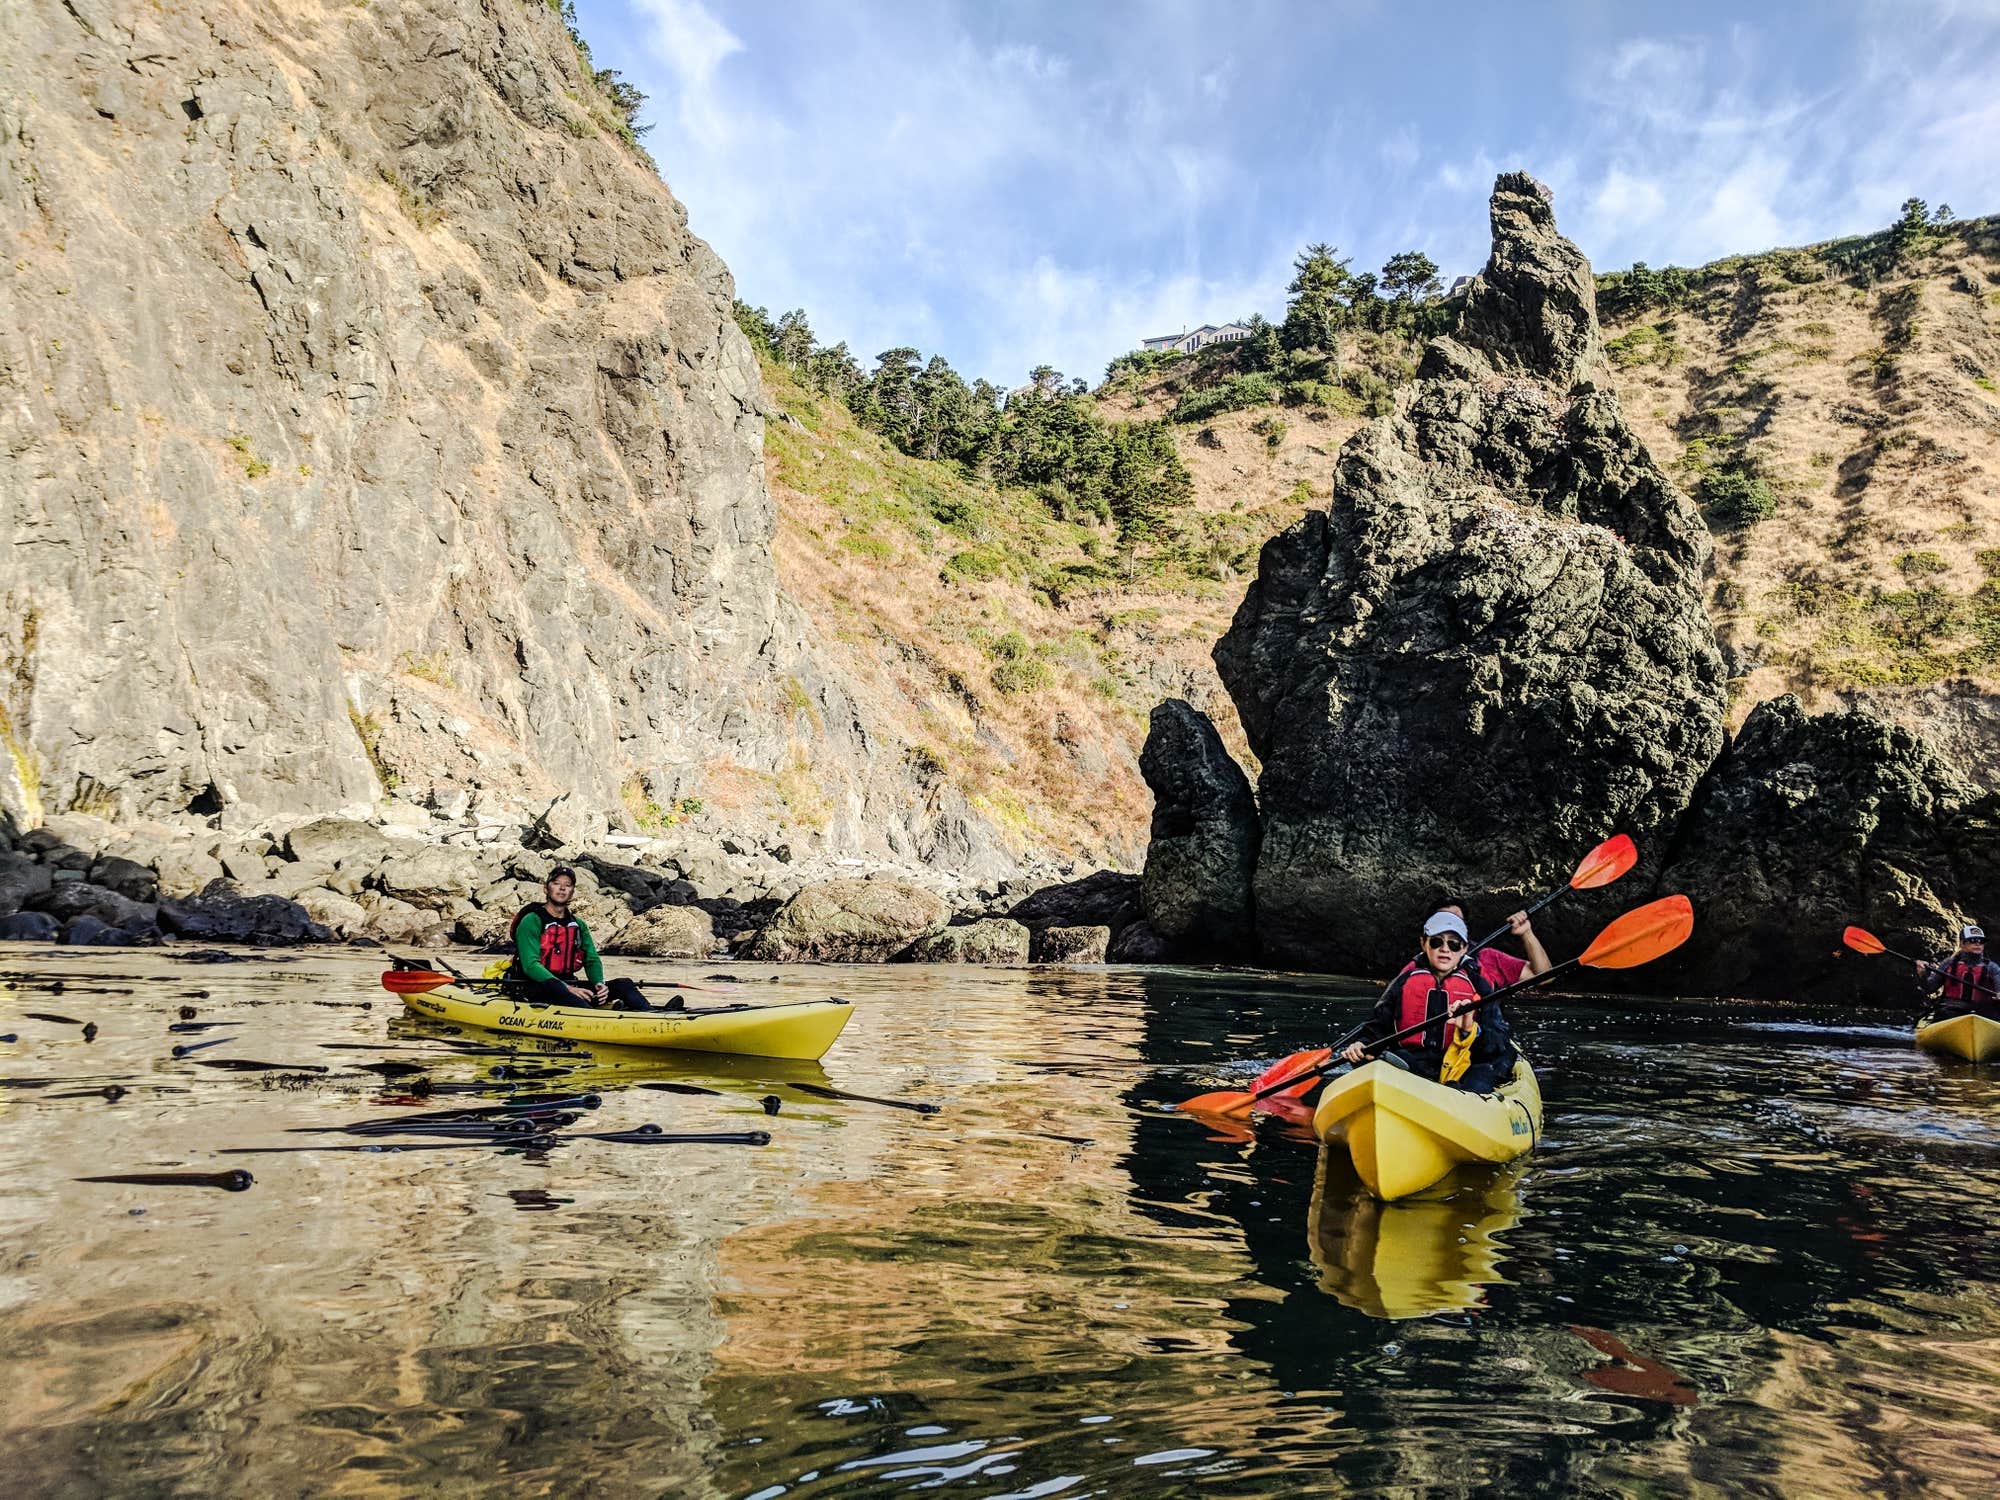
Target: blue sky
[(1008, 184)]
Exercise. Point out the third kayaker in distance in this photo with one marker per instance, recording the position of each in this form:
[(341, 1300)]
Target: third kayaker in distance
[(1970, 980), (1442, 982), (553, 950)]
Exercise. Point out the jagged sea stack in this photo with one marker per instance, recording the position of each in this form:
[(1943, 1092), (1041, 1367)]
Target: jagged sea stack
[(1202, 858), (1490, 650)]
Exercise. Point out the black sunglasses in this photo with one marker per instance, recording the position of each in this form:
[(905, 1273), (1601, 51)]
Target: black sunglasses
[(1445, 940)]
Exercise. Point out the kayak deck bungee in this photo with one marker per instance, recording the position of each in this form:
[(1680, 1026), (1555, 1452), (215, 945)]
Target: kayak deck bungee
[(800, 1032), (1405, 1133), (1971, 1037)]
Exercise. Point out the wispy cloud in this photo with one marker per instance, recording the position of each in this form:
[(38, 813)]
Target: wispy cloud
[(1050, 182)]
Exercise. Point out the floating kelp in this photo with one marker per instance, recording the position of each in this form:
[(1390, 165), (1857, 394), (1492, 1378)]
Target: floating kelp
[(233, 1181), (824, 1092), (247, 1065), (184, 1048)]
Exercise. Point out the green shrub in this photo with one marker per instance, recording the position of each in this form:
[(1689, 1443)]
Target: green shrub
[(1237, 393), (1322, 393), (1738, 498), (979, 562), (1988, 559), (1271, 429), (1917, 566), (1021, 676)]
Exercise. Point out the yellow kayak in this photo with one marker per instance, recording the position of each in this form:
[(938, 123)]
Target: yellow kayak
[(801, 1032), (1406, 1133), (1971, 1037), (1437, 1253)]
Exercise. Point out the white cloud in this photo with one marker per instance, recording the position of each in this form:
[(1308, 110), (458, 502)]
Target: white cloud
[(693, 45)]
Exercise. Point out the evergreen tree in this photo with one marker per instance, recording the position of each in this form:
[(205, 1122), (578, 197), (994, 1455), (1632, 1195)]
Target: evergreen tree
[(1411, 277), (1317, 311), (793, 340), (1263, 349), (891, 404)]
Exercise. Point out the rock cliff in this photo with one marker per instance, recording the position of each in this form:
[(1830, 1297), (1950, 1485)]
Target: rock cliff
[(372, 416), (1490, 650)]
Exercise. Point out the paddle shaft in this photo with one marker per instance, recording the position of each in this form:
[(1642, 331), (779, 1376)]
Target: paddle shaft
[(1934, 968), (1336, 1060)]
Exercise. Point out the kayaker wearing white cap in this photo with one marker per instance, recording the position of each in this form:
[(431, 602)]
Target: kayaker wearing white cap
[(1969, 979), (1439, 984)]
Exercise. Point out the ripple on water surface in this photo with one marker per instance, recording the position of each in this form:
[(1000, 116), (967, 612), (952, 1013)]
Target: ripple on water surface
[(1756, 1251)]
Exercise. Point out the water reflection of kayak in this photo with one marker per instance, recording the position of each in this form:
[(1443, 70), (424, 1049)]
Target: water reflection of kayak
[(1971, 1037), (1414, 1258), (1405, 1133), (801, 1031)]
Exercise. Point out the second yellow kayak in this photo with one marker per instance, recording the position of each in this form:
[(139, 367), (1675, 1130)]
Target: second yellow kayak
[(801, 1032), (1971, 1037), (1405, 1133)]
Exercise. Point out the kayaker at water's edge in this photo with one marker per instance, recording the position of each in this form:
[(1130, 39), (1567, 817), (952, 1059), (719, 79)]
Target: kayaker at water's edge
[(1426, 991), (551, 943), (1970, 980)]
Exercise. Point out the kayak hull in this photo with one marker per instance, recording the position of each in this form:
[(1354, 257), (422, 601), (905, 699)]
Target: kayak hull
[(800, 1032), (1971, 1037), (1434, 1253), (1405, 1133)]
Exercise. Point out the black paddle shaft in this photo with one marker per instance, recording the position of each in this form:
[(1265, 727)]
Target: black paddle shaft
[(1327, 1067)]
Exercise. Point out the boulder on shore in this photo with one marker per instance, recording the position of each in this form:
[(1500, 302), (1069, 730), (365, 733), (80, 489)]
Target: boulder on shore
[(1196, 888), (850, 921), (667, 932), (993, 940), (222, 915), (1071, 945), (1103, 898)]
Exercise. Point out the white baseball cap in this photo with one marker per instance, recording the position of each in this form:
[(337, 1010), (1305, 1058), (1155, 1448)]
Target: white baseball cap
[(1446, 921), (1967, 934)]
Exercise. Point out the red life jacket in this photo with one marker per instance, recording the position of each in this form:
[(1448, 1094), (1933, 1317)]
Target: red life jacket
[(1963, 978), (562, 941), (1415, 1003)]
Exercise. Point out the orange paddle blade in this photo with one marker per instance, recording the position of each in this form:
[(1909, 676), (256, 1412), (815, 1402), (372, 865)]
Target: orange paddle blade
[(413, 981), (1863, 941), (1641, 935), (1291, 1067), (1222, 1102), (1605, 863)]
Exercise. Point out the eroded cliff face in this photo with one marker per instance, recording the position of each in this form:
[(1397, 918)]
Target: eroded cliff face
[(371, 414)]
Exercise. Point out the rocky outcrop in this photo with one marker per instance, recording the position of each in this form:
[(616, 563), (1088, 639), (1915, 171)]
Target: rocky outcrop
[(1071, 945), (1811, 822), (992, 940), (850, 921), (1491, 649), (1196, 888), (372, 416), (1103, 898)]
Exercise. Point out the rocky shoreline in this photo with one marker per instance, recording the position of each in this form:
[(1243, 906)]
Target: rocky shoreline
[(425, 880)]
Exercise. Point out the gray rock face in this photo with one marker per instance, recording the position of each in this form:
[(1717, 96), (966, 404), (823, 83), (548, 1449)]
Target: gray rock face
[(1140, 944), (371, 411), (1809, 823), (1199, 866), (668, 932), (993, 940), (1071, 945), (1491, 651), (337, 841), (850, 921), (21, 881)]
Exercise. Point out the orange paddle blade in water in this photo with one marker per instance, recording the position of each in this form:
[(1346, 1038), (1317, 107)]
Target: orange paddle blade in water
[(1238, 1101), (1605, 863), (1861, 940), (1641, 935), (413, 981)]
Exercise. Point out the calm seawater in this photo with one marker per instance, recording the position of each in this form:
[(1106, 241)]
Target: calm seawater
[(1758, 1252)]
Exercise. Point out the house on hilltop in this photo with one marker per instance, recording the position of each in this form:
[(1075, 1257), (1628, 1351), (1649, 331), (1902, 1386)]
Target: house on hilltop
[(1189, 341)]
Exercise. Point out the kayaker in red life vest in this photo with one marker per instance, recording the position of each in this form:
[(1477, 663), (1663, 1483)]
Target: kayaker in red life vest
[(552, 943), (1438, 984), (1970, 980)]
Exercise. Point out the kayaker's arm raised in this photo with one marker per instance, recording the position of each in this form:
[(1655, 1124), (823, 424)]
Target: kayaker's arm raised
[(1538, 956)]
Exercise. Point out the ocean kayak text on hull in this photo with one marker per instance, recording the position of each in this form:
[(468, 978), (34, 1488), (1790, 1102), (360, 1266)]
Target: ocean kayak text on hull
[(801, 1032), (1405, 1133)]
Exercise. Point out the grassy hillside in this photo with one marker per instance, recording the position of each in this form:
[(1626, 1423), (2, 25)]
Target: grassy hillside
[(1018, 653), (1834, 408)]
